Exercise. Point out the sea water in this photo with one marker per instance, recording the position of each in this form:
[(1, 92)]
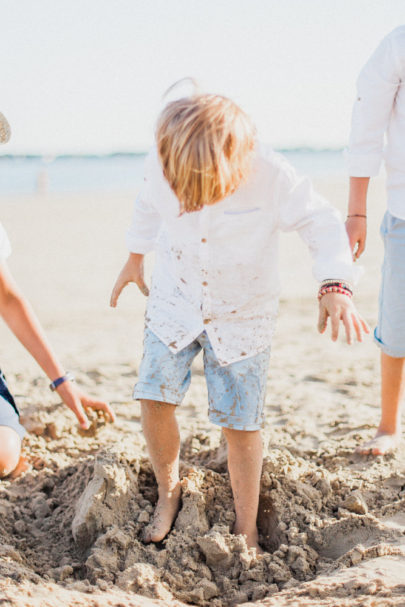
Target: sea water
[(122, 172)]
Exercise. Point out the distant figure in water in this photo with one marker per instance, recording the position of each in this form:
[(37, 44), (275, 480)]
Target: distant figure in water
[(212, 204), (379, 110), (43, 182), (17, 313)]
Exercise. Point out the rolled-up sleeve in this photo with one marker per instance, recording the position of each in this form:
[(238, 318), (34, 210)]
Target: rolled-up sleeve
[(377, 86), (142, 234), (319, 225)]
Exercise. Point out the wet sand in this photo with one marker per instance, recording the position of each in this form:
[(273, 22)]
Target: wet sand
[(70, 529)]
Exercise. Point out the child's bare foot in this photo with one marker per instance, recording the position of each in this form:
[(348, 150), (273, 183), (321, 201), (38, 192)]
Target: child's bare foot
[(382, 444), (252, 538), (166, 511), (22, 466)]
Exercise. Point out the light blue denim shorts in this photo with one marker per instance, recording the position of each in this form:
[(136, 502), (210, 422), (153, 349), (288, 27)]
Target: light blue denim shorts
[(236, 392), (390, 331)]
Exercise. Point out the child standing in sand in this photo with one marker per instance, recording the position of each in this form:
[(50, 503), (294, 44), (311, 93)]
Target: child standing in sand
[(379, 110), (17, 313), (212, 205)]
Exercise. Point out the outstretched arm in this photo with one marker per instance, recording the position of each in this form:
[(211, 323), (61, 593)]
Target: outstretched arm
[(131, 272), (142, 234), (320, 226), (19, 316)]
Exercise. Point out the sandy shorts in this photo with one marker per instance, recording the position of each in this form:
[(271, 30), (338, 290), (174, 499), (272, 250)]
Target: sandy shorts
[(8, 409), (236, 392), (390, 331)]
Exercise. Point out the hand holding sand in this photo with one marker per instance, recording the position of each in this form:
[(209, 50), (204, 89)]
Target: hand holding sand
[(341, 308), (78, 402), (131, 272)]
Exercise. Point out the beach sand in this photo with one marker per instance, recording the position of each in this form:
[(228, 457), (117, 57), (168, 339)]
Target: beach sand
[(333, 522)]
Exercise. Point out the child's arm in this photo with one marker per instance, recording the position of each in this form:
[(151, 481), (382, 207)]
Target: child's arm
[(377, 87), (320, 226), (356, 222), (131, 272), (142, 234), (19, 316)]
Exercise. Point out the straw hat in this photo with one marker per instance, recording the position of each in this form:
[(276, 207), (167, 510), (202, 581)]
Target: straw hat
[(5, 131)]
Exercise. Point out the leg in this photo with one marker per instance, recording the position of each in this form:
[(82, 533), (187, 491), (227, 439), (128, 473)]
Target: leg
[(236, 395), (163, 440), (10, 450), (245, 465), (392, 391), (390, 336), (164, 377)]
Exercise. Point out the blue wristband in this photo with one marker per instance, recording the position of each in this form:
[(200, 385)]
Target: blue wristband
[(60, 380)]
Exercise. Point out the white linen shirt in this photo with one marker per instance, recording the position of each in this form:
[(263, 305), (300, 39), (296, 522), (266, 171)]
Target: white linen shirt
[(5, 248), (217, 269), (379, 110)]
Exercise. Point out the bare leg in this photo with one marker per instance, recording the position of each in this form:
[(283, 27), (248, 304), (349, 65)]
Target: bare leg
[(392, 391), (245, 457), (10, 450), (163, 440)]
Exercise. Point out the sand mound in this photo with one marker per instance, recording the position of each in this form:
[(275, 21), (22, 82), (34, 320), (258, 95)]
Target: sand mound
[(72, 527)]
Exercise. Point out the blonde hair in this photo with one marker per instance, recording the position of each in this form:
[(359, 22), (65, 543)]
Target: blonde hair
[(205, 145)]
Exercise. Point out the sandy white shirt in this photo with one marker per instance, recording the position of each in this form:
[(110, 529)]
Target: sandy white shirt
[(5, 248), (217, 269), (380, 110)]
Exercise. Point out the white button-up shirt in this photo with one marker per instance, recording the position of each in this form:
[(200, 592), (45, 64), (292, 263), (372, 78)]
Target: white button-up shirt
[(217, 269), (5, 248), (379, 110)]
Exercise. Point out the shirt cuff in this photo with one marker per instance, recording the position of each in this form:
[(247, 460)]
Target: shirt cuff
[(139, 245), (363, 165), (350, 274)]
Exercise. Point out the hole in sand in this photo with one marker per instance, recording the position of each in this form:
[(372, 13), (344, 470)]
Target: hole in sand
[(79, 527)]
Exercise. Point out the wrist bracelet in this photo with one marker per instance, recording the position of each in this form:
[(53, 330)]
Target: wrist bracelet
[(357, 215), (341, 290), (60, 380), (336, 282)]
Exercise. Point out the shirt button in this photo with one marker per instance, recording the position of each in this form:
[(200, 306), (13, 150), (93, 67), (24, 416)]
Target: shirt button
[(205, 283), (203, 240), (206, 321)]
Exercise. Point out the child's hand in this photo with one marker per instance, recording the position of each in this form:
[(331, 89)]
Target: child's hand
[(131, 272), (341, 308), (78, 402), (356, 228)]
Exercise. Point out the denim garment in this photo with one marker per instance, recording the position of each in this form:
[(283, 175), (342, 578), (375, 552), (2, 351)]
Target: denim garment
[(236, 391), (390, 331)]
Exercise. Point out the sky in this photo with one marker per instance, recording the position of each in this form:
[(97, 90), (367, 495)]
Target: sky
[(88, 76)]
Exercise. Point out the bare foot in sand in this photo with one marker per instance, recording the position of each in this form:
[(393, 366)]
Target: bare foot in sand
[(22, 466), (381, 444), (252, 538), (166, 511)]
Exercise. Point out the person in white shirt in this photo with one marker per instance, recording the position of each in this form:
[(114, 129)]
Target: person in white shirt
[(379, 111), (17, 313), (212, 205)]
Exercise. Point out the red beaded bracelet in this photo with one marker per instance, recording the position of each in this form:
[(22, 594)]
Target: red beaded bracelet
[(337, 283), (342, 290)]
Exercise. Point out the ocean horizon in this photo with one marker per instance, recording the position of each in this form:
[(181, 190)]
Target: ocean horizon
[(123, 171)]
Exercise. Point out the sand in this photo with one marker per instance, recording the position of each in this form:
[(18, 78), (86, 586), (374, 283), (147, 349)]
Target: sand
[(333, 522)]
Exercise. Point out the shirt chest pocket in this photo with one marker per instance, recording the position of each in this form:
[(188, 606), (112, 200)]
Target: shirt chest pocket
[(242, 222)]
